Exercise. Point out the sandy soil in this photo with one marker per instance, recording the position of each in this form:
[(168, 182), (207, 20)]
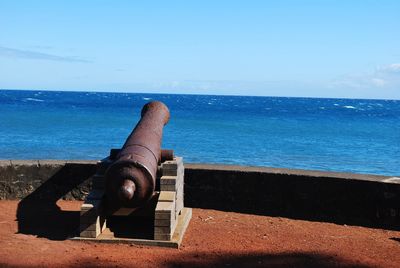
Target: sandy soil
[(214, 238)]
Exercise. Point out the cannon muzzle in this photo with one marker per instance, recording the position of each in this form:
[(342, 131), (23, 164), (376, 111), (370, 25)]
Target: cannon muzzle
[(131, 179)]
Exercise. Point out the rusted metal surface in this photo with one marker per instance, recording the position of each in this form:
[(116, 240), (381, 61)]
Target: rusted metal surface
[(130, 180), (167, 155)]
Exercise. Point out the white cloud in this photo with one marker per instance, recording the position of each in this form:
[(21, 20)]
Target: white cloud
[(378, 82), (384, 77), (394, 67), (35, 55)]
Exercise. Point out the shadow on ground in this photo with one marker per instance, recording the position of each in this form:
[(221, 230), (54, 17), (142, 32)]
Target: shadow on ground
[(397, 239), (38, 213), (295, 259), (291, 259)]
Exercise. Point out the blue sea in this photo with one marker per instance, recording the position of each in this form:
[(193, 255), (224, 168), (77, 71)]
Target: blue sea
[(346, 135)]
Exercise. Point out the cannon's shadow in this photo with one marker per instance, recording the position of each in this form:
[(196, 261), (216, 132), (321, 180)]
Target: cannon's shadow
[(38, 214), (236, 259)]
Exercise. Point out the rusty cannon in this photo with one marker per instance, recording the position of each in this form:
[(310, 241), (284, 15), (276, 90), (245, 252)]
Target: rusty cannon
[(138, 187), (131, 179)]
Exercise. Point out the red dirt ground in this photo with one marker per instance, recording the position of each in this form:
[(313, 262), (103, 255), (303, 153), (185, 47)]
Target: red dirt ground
[(214, 238)]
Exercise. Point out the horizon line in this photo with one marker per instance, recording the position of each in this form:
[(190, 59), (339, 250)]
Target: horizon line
[(192, 94)]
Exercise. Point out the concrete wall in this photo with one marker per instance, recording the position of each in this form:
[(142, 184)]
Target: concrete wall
[(46, 179), (343, 198)]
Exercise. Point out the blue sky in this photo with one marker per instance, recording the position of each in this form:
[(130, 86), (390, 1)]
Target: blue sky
[(273, 48)]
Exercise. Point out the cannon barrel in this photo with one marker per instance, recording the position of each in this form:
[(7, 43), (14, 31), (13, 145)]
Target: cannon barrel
[(131, 179)]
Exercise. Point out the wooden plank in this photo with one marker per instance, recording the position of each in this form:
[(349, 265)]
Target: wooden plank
[(173, 172), (171, 187), (162, 222), (90, 226), (168, 180), (163, 229), (175, 240), (165, 207), (89, 234), (167, 196), (165, 237), (163, 216)]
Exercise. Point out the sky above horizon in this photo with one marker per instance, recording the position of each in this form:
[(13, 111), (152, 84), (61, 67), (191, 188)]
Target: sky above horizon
[(348, 49)]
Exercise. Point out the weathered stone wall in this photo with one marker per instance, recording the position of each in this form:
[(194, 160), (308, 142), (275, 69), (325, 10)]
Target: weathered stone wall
[(45, 179), (324, 196), (311, 195)]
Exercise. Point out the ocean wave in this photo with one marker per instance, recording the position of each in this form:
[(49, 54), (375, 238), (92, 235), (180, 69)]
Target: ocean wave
[(349, 107), (33, 99), (146, 98), (305, 136)]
